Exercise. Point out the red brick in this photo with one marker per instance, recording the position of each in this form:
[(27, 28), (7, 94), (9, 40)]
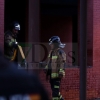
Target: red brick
[(1, 23)]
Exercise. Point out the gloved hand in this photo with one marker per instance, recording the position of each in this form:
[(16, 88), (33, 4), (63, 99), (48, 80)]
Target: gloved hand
[(42, 64), (15, 45), (24, 63)]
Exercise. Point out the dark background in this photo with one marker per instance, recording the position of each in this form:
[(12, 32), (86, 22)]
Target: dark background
[(16, 10)]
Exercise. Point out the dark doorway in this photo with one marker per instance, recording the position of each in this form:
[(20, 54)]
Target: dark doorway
[(17, 10)]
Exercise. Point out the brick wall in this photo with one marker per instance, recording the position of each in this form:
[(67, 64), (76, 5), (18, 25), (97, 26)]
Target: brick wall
[(96, 34), (96, 41), (1, 23)]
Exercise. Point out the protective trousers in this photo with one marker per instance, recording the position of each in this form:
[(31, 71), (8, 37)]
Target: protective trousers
[(55, 87)]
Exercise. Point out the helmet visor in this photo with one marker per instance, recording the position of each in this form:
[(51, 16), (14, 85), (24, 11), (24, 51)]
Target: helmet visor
[(17, 27)]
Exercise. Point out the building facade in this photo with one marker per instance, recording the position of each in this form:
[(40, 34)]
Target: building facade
[(40, 20)]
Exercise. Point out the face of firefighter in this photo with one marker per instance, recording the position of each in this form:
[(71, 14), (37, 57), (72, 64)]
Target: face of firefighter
[(52, 46), (15, 32)]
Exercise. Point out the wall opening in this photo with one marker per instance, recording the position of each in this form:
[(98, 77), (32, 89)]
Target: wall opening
[(17, 10)]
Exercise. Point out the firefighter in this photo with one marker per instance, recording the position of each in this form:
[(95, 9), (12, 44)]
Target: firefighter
[(10, 43), (55, 68)]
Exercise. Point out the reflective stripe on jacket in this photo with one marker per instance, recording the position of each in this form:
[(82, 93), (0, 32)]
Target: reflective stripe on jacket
[(56, 62)]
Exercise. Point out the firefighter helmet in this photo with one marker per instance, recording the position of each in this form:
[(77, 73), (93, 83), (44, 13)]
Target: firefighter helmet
[(56, 40), (15, 25)]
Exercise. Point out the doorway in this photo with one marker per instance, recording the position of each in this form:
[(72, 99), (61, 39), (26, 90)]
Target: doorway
[(17, 10)]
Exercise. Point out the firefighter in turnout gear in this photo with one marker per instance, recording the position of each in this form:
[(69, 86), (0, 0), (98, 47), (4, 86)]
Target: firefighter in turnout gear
[(55, 68), (10, 43)]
